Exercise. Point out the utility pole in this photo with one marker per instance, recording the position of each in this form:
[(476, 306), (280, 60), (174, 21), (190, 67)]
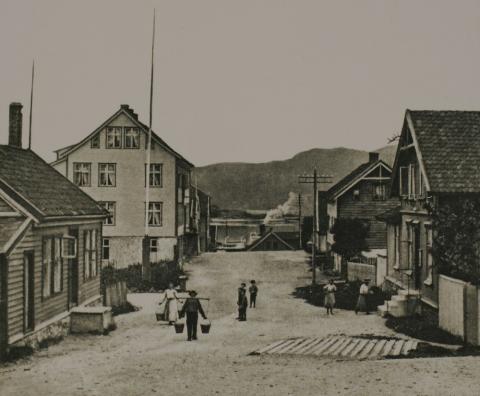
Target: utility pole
[(315, 180), (300, 220)]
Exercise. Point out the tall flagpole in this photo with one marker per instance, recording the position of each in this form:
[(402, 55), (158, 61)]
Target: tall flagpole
[(31, 111), (149, 143)]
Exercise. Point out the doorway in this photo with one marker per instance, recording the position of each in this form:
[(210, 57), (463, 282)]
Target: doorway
[(417, 257), (28, 291)]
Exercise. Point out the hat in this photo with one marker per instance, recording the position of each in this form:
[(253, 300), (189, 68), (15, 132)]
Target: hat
[(366, 280), (192, 292)]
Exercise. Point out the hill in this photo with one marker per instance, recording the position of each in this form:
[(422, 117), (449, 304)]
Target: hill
[(243, 186)]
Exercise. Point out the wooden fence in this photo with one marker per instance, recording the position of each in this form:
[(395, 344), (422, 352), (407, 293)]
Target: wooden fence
[(458, 304), (360, 271), (115, 294)]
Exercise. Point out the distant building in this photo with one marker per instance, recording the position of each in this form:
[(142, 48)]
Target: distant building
[(110, 165), (362, 194), (271, 241), (50, 244)]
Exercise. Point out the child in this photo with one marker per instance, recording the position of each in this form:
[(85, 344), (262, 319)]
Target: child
[(242, 302), (253, 289)]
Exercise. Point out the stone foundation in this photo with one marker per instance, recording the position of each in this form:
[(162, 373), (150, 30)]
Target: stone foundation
[(54, 331)]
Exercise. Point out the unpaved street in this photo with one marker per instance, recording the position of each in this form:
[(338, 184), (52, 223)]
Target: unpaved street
[(143, 357)]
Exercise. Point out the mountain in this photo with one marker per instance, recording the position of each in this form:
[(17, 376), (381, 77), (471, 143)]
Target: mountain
[(263, 186)]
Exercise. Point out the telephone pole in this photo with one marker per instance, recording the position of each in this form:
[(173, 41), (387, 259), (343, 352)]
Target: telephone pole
[(315, 180)]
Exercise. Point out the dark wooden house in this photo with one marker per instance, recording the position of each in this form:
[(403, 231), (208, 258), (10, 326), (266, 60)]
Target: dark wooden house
[(50, 240), (362, 194)]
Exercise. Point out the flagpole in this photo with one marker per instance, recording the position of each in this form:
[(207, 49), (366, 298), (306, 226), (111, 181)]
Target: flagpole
[(149, 142), (31, 106)]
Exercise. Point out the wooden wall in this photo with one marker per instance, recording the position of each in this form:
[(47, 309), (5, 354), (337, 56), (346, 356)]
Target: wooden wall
[(367, 208), (44, 308)]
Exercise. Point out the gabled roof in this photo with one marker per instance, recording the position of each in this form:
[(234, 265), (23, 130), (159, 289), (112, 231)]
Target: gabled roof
[(11, 229), (447, 144), (268, 235), (129, 113), (30, 182), (353, 178)]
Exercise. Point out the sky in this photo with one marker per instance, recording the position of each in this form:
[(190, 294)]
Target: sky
[(243, 80)]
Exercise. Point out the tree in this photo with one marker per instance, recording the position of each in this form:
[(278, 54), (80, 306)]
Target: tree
[(350, 236)]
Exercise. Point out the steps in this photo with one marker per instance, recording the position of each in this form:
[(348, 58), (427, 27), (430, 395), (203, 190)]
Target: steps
[(403, 304), (347, 347)]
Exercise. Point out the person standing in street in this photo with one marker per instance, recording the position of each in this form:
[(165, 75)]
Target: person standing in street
[(242, 303), (329, 291), (171, 307), (253, 289), (192, 307), (362, 303)]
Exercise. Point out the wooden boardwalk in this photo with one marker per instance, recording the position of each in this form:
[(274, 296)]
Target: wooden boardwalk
[(348, 347)]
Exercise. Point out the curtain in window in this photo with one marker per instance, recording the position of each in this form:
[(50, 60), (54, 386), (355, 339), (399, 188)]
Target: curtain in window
[(154, 214)]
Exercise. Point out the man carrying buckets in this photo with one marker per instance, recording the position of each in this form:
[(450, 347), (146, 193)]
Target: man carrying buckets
[(192, 307)]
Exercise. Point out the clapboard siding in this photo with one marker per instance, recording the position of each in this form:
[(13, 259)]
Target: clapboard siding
[(367, 208), (44, 308)]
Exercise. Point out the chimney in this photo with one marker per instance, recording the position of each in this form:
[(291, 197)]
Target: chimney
[(15, 125), (373, 157)]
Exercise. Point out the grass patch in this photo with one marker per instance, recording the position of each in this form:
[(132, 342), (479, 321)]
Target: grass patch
[(424, 327)]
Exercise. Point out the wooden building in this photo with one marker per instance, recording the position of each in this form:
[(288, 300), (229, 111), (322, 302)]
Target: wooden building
[(362, 194), (50, 239), (109, 164), (271, 241), (436, 163)]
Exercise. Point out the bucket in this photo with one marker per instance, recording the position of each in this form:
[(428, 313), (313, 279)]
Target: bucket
[(179, 326), (160, 316), (205, 327)]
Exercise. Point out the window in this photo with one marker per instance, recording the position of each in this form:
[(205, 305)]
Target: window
[(379, 192), (132, 137), (106, 249), (420, 184), (155, 175), (114, 137), (90, 263), (52, 266), (155, 213), (110, 207), (107, 175), (95, 142), (404, 173), (81, 174), (153, 250), (429, 246), (412, 181), (356, 194)]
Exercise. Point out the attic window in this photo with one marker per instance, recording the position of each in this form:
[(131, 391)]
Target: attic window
[(95, 142), (356, 194), (379, 192), (114, 137), (132, 137)]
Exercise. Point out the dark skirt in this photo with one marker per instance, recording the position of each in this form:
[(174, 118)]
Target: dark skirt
[(362, 304)]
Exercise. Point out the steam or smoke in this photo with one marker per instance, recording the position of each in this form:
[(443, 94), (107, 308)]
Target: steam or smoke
[(290, 207)]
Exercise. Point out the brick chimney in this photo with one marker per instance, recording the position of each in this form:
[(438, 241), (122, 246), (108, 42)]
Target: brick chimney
[(373, 157), (15, 125)]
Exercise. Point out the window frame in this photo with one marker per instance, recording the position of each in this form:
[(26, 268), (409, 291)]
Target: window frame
[(75, 172), (149, 173), (125, 129), (160, 211), (402, 176), (106, 246), (91, 252), (49, 271), (100, 164), (383, 195), (96, 139), (110, 129), (114, 216)]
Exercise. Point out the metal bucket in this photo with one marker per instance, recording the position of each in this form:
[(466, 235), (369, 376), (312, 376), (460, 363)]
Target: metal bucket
[(205, 327), (179, 326)]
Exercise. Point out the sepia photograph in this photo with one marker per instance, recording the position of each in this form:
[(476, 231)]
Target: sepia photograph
[(239, 197)]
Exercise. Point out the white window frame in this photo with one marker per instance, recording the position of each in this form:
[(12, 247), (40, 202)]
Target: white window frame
[(155, 176), (82, 174), (52, 266), (382, 196), (131, 138), (90, 262), (155, 214), (105, 245), (429, 257), (111, 207), (114, 137), (107, 174)]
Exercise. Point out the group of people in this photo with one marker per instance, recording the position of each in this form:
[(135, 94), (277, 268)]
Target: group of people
[(362, 302), (242, 301), (191, 308)]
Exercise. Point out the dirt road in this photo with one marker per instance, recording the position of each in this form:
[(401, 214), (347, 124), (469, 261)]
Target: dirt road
[(142, 357)]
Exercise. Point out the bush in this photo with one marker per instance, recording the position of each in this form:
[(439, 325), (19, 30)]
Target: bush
[(162, 273)]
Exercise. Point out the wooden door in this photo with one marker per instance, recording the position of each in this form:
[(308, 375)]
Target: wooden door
[(3, 307), (28, 291)]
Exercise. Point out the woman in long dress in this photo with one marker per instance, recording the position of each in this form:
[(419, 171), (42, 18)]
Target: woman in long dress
[(329, 291), (171, 307), (362, 302)]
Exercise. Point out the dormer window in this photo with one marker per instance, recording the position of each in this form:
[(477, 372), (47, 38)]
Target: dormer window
[(95, 142), (132, 137), (379, 192), (114, 137)]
